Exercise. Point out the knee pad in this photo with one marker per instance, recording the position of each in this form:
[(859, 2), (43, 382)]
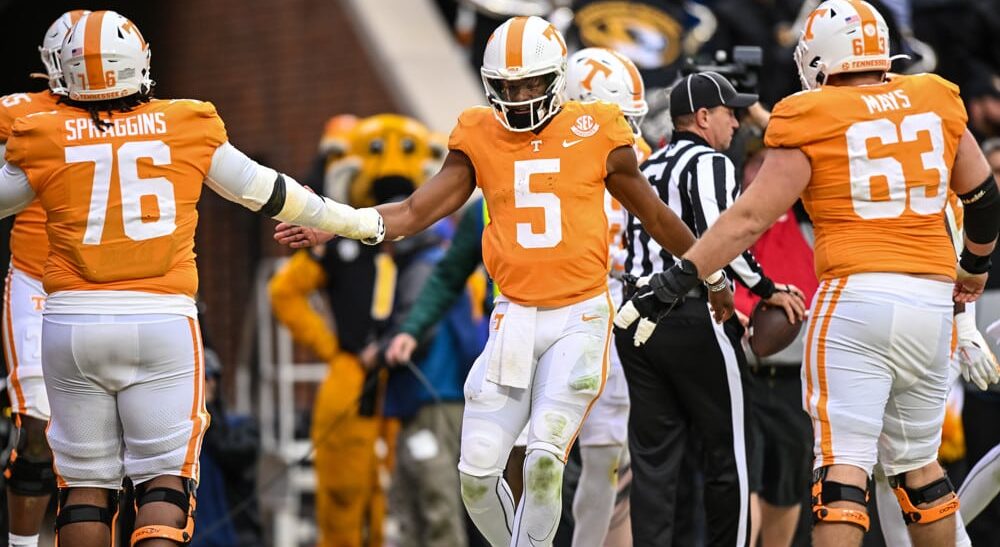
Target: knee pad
[(909, 498), (70, 514), (481, 455), (543, 473), (825, 492), (184, 500), (476, 488), (29, 476)]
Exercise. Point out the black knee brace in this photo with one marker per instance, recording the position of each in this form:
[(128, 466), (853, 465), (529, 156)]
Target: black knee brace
[(825, 492), (909, 498), (28, 476), (70, 514), (184, 500)]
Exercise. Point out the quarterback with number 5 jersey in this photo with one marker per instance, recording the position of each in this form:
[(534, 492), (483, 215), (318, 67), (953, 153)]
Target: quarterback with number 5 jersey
[(543, 167), (119, 175), (873, 155)]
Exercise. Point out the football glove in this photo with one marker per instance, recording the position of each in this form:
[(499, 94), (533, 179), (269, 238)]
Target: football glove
[(979, 366), (657, 294)]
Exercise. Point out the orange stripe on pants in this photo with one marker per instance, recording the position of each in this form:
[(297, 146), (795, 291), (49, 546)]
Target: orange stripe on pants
[(826, 435), (604, 375), (19, 404), (190, 468), (817, 312)]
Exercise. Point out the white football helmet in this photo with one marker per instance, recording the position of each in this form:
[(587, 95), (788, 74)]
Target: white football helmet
[(521, 48), (52, 45), (105, 57), (841, 36), (604, 74)]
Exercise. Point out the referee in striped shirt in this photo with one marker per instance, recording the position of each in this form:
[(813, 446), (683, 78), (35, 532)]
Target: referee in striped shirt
[(688, 376)]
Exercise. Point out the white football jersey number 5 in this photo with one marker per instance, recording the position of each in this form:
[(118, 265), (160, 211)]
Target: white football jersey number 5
[(863, 168), (133, 189), (524, 198)]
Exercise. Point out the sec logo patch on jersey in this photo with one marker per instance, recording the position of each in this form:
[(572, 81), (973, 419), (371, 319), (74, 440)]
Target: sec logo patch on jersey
[(585, 126)]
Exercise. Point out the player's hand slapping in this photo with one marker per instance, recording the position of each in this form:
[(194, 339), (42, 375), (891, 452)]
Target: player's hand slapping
[(978, 363), (657, 294), (299, 237)]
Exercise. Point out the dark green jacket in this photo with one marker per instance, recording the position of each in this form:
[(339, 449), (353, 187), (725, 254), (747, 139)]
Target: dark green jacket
[(447, 282)]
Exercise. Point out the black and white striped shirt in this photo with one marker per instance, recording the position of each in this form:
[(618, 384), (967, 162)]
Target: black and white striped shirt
[(698, 183)]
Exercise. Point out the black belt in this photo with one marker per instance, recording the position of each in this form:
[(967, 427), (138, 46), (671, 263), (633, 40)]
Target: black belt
[(775, 371)]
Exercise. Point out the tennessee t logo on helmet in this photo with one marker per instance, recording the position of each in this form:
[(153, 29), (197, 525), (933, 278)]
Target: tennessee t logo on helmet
[(842, 36)]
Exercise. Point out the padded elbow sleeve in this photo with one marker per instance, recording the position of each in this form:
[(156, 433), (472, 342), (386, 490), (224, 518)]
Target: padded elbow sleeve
[(982, 212), (304, 208)]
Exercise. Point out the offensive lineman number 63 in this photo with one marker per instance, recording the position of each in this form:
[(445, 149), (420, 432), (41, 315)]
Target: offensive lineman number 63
[(863, 168)]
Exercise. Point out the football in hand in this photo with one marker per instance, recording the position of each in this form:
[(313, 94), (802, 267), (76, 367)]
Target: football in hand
[(770, 331)]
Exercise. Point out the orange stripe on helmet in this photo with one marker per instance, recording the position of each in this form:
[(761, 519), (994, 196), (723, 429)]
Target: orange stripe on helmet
[(868, 21), (92, 50), (515, 40), (633, 73), (75, 15)]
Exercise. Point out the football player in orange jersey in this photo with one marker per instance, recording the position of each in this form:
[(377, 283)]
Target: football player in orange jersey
[(543, 166), (30, 479), (872, 154), (119, 175)]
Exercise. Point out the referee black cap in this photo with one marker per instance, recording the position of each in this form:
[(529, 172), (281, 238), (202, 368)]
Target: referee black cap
[(706, 90)]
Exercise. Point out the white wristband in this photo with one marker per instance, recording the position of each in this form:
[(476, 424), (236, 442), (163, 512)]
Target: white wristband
[(714, 278)]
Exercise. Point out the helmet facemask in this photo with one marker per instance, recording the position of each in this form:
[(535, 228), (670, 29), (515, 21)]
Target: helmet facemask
[(51, 49), (53, 69), (525, 114), (635, 122)]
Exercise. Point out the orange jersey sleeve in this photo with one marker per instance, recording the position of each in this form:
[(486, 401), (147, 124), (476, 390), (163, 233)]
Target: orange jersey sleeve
[(548, 239), (121, 199), (29, 246), (881, 159)]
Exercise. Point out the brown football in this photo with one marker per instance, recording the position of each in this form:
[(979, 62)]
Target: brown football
[(770, 331)]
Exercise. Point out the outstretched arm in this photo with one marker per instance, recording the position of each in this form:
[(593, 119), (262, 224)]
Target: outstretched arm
[(627, 184), (437, 198), (240, 179), (782, 178), (440, 196)]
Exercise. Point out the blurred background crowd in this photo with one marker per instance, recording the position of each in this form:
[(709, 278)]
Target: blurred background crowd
[(311, 433)]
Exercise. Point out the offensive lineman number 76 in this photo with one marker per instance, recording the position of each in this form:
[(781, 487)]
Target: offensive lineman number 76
[(132, 189)]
